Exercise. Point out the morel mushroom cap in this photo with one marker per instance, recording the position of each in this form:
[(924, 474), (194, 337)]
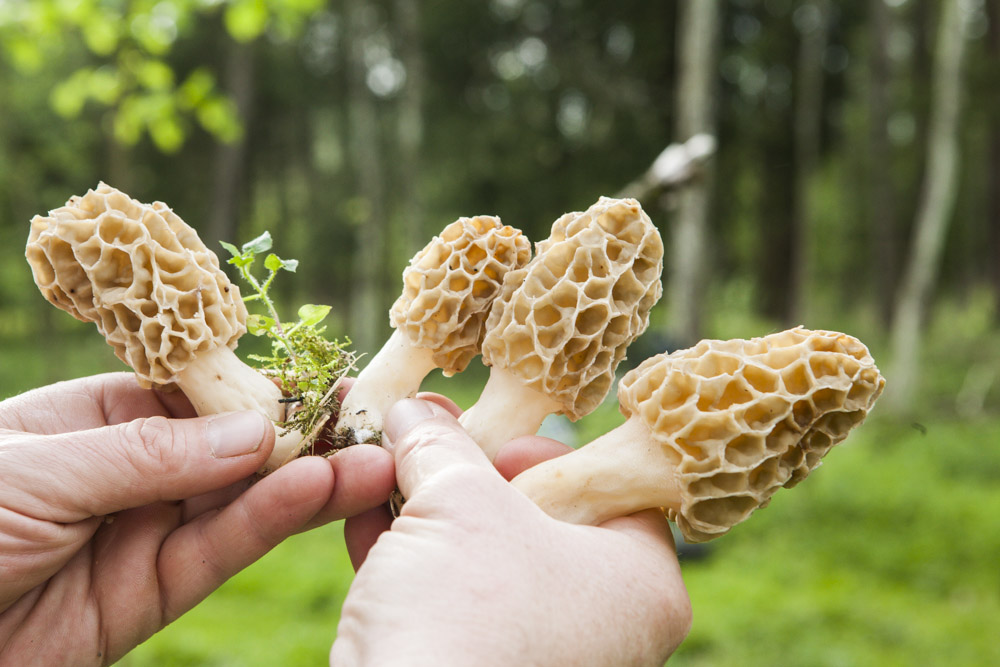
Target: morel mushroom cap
[(142, 275), (562, 324), (448, 289), (713, 431), (449, 286), (160, 299)]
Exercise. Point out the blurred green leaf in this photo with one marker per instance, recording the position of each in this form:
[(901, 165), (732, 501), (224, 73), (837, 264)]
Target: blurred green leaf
[(128, 122), (167, 132), (69, 96), (196, 88), (101, 31), (104, 85), (155, 75), (219, 116), (246, 19), (25, 52)]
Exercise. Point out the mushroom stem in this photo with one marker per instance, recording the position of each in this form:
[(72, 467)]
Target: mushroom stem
[(619, 473), (217, 381), (506, 409), (394, 373)]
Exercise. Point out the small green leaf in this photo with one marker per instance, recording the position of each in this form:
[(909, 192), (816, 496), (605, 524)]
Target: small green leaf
[(240, 261), (275, 263), (258, 325), (260, 244), (311, 314), (233, 250)]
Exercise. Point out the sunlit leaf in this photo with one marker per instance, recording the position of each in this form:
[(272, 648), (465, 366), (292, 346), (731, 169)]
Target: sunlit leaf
[(275, 263), (311, 314), (258, 325), (196, 88), (233, 250), (104, 85), (258, 245), (100, 32), (167, 133), (128, 121), (219, 116), (69, 96), (155, 75), (246, 19)]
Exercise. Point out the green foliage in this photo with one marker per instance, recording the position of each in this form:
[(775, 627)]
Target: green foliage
[(302, 359), (130, 44)]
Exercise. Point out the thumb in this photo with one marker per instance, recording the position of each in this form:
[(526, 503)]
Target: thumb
[(128, 465), (426, 440)]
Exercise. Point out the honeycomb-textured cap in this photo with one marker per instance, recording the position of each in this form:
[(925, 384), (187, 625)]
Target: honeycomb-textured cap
[(563, 323), (141, 274), (449, 286), (741, 418)]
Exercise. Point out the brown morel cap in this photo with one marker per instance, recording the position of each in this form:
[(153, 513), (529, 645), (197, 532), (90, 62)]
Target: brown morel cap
[(740, 419), (141, 274)]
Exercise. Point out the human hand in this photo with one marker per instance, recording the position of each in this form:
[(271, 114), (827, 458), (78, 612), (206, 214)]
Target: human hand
[(119, 511), (472, 572)]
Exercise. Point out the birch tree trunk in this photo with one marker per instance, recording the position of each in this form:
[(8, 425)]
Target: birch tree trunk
[(368, 310), (935, 210), (699, 37), (813, 23)]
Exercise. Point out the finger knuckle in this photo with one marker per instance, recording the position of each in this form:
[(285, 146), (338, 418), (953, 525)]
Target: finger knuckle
[(154, 444)]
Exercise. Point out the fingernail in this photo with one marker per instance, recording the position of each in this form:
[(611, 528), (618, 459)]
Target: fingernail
[(236, 433), (403, 416)]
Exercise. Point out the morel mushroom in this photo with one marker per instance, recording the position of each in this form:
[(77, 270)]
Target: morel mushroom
[(448, 288), (713, 431), (562, 324), (143, 276)]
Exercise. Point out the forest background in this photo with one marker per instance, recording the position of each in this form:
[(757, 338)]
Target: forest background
[(854, 184)]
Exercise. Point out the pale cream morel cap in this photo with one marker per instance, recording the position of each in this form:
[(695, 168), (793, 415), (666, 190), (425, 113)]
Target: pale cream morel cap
[(563, 323), (449, 286), (141, 274), (740, 419)]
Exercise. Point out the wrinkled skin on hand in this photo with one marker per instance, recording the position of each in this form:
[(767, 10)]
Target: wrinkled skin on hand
[(472, 572), (120, 510)]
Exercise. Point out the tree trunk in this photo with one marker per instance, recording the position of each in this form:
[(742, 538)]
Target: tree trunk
[(410, 128), (814, 28), (699, 38), (882, 199), (936, 206), (368, 307), (230, 158), (993, 204)]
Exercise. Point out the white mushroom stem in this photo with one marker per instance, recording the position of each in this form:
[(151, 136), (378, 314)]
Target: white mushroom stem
[(506, 409), (622, 472), (217, 381), (394, 373)]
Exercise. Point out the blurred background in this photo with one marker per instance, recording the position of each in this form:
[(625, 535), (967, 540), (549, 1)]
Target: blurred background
[(834, 164)]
